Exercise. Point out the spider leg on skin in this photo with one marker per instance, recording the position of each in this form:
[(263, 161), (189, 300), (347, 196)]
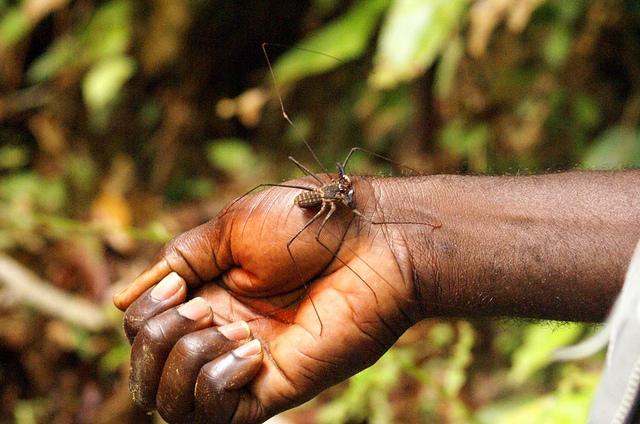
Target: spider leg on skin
[(335, 254), (323, 208)]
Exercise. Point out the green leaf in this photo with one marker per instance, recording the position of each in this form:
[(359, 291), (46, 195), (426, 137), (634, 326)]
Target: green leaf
[(63, 51), (568, 404), (345, 38), (29, 188), (109, 31), (617, 147), (441, 334), (468, 141), (14, 26), (557, 46), (367, 394), (447, 67), (104, 81), (586, 111), (30, 411), (115, 357), (81, 171), (12, 157), (413, 34), (540, 341), (107, 35), (461, 139), (231, 155)]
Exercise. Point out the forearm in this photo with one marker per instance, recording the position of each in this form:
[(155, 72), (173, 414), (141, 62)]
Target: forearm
[(549, 246)]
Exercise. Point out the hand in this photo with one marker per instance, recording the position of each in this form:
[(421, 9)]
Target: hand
[(320, 317)]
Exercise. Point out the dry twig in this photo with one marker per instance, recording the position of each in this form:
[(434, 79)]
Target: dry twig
[(30, 290)]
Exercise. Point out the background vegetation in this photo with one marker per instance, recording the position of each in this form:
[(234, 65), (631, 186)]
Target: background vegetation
[(123, 123)]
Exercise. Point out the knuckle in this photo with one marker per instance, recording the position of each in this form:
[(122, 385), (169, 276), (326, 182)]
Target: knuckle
[(209, 379), (153, 331), (189, 345)]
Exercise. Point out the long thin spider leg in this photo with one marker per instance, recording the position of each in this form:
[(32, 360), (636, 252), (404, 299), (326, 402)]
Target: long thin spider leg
[(335, 254), (228, 207), (304, 49), (323, 208), (284, 112), (369, 152), (295, 264), (354, 253), (371, 221), (306, 170)]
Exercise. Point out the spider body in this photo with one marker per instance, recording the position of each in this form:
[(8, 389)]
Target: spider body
[(338, 190)]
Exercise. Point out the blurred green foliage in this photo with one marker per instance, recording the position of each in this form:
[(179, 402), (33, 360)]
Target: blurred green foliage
[(124, 122), (344, 39)]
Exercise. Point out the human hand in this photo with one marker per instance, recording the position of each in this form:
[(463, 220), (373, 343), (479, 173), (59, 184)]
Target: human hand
[(360, 301)]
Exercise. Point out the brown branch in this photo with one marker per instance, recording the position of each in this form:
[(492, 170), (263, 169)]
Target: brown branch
[(31, 290)]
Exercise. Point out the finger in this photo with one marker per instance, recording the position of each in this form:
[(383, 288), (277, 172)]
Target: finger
[(169, 292), (154, 342), (175, 399), (148, 278), (219, 395), (198, 255)]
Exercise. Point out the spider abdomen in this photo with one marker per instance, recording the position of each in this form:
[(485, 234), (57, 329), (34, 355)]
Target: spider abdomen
[(309, 199)]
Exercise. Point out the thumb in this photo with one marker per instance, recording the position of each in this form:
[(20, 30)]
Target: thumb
[(199, 255)]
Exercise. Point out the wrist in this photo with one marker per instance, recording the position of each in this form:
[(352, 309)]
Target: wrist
[(405, 208)]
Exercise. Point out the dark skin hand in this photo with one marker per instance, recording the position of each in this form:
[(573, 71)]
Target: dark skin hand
[(553, 246)]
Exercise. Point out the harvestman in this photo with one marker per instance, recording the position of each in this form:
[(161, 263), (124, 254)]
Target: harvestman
[(327, 196)]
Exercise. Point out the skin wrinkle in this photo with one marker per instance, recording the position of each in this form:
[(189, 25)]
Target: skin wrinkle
[(154, 333), (185, 259), (371, 337), (166, 261), (246, 398), (229, 242), (214, 250), (341, 244), (227, 277), (324, 361), (291, 382), (408, 320), (306, 372), (254, 206), (356, 321), (390, 328), (270, 206)]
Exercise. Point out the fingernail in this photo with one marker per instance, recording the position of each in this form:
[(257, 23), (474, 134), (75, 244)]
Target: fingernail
[(167, 287), (195, 309), (248, 349), (237, 331)]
